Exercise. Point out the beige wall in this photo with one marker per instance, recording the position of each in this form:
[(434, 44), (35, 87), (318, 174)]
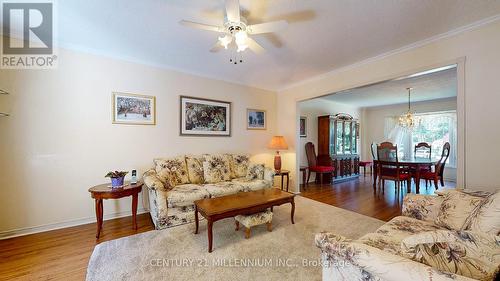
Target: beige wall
[(482, 63), (373, 127), (60, 141)]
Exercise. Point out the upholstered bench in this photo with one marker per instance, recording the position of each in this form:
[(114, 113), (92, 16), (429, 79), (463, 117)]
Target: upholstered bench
[(253, 220)]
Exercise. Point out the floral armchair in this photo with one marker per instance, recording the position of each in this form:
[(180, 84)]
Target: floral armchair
[(417, 246)]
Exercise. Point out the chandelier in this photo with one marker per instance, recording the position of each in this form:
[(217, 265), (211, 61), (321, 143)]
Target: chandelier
[(407, 120)]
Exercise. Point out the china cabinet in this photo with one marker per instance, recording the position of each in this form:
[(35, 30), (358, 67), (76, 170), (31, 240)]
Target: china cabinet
[(338, 144)]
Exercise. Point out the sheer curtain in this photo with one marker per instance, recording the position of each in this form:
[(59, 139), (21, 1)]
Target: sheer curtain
[(398, 135), (434, 128)]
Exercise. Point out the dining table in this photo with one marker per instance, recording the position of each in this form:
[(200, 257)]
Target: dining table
[(414, 162)]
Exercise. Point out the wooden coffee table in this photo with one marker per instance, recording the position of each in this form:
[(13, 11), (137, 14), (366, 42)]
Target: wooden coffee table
[(243, 203)]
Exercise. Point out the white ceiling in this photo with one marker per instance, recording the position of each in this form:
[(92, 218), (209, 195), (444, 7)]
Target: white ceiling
[(322, 35), (438, 85)]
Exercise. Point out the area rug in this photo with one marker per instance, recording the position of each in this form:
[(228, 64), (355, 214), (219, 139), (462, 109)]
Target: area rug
[(286, 253)]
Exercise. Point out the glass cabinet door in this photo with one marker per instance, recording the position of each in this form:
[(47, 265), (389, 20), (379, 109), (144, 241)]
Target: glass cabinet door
[(355, 132), (331, 145), (339, 141), (347, 137), (344, 135)]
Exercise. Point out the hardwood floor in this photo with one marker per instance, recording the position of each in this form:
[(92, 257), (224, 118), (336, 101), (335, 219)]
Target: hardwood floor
[(63, 254), (357, 196)]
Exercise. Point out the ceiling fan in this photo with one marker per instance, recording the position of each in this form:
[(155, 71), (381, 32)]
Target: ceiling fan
[(236, 29)]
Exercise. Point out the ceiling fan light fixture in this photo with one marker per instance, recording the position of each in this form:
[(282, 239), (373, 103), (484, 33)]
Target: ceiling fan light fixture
[(225, 41), (240, 38)]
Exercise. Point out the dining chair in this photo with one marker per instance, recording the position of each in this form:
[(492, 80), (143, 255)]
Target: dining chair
[(373, 149), (422, 150), (365, 164), (388, 167), (437, 174), (313, 166)]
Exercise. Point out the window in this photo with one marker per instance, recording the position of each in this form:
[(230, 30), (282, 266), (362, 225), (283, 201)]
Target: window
[(435, 128)]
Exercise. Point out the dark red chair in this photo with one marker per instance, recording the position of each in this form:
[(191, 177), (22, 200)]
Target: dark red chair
[(423, 150), (389, 167), (365, 164), (313, 164), (437, 174)]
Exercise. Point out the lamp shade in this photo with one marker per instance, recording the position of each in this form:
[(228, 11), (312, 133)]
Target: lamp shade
[(278, 143)]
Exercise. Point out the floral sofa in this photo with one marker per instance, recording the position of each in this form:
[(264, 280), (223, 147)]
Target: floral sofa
[(448, 237), (175, 183)]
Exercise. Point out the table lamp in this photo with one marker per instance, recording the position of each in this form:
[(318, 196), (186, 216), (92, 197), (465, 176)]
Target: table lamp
[(278, 143)]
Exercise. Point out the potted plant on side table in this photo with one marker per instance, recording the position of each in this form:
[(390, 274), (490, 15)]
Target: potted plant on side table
[(117, 178)]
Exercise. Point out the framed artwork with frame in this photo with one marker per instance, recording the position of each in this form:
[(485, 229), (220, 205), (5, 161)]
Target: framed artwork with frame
[(204, 117), (133, 109), (256, 119), (303, 126)]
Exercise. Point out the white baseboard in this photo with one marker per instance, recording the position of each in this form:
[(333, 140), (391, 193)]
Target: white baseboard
[(53, 226)]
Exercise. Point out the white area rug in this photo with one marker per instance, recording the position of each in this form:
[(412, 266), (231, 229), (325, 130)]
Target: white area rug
[(286, 253)]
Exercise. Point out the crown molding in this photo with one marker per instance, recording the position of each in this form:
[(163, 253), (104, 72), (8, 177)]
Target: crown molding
[(403, 49), (95, 52)]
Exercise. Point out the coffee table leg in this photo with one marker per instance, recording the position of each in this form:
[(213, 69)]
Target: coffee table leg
[(196, 218), (293, 210), (209, 224), (134, 210), (98, 214)]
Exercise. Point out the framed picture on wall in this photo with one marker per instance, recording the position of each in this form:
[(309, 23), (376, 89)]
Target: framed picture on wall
[(133, 109), (303, 126), (204, 117), (256, 119)]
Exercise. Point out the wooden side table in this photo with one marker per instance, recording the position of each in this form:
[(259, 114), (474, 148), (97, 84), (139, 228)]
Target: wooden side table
[(104, 191), (304, 169), (283, 173)]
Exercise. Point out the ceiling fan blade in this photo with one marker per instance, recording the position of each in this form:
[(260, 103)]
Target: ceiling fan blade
[(217, 47), (203, 26), (233, 10), (267, 27), (254, 46)]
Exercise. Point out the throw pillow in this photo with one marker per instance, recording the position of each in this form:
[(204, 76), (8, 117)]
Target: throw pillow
[(255, 171), (455, 209), (239, 165), (216, 168), (472, 254), (486, 217), (195, 169), (172, 171)]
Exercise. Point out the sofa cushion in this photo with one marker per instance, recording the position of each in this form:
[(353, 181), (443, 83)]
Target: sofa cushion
[(216, 168), (255, 171), (195, 168), (472, 254), (389, 236), (486, 216), (239, 165), (172, 171), (185, 195), (223, 188), (455, 209), (251, 185)]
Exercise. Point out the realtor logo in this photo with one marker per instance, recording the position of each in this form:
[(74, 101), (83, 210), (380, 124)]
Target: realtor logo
[(28, 35)]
